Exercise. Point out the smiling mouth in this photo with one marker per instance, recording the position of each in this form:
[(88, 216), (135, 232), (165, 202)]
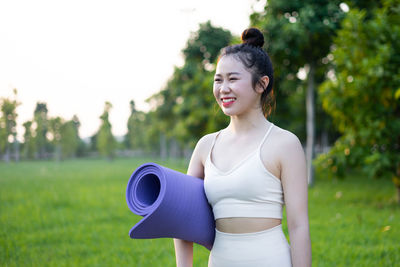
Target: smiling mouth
[(228, 100)]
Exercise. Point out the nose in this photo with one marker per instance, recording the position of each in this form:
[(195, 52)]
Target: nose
[(224, 88)]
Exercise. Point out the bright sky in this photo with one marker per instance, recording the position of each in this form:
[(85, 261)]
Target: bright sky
[(76, 54)]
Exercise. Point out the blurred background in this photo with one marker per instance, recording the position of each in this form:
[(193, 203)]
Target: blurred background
[(89, 90)]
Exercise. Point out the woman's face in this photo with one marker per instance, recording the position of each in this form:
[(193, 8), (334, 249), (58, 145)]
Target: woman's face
[(233, 88)]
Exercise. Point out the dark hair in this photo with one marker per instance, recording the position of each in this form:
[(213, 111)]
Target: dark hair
[(257, 61)]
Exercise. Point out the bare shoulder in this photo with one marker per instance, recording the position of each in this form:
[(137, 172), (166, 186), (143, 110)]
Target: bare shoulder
[(286, 140), (204, 144), (290, 155), (280, 149), (199, 155)]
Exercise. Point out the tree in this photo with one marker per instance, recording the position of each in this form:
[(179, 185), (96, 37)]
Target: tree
[(136, 132), (41, 129), (64, 137), (69, 140), (3, 137), (8, 123), (82, 147), (54, 130), (185, 109), (204, 45), (93, 143), (299, 37), (363, 95), (196, 107), (28, 150), (106, 143)]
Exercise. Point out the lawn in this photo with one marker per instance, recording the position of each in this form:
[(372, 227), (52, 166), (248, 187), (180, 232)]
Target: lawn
[(74, 213)]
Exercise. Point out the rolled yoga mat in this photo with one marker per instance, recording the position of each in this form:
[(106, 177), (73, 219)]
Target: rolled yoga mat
[(173, 205)]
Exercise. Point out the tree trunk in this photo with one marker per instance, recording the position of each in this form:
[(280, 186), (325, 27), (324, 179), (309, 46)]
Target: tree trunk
[(41, 152), (310, 122), (163, 147), (58, 153), (173, 149), (324, 141), (187, 153), (16, 149), (7, 154)]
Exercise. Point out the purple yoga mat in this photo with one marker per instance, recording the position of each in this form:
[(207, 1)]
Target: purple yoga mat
[(173, 205)]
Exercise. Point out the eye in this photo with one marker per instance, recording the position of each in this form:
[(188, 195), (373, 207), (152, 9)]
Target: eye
[(217, 79), (233, 78)]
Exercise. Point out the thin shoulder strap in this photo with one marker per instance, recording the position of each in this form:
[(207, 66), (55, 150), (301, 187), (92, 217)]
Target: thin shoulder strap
[(266, 135), (213, 143)]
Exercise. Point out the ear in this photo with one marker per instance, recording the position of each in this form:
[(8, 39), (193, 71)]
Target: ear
[(262, 84)]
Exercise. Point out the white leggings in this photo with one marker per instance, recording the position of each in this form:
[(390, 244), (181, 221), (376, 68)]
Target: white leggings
[(257, 249)]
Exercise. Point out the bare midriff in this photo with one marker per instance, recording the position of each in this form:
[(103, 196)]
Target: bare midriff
[(241, 225)]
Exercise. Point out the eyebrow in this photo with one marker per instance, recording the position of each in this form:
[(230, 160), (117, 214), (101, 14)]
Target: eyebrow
[(229, 73)]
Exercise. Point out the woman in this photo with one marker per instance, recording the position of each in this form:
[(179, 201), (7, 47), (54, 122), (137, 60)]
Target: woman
[(250, 170)]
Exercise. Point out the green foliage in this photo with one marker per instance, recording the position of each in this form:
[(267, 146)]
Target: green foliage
[(44, 136), (196, 109), (106, 143), (64, 137), (135, 138), (55, 125), (70, 140), (363, 97), (41, 128), (204, 45), (298, 34), (29, 148), (152, 128), (8, 123), (74, 213), (3, 137), (185, 109)]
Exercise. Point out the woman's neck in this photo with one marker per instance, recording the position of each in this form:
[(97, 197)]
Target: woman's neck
[(242, 124)]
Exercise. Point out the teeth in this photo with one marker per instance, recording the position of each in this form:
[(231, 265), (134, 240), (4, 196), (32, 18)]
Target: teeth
[(225, 100)]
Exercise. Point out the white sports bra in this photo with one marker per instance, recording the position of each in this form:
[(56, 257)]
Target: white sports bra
[(247, 190)]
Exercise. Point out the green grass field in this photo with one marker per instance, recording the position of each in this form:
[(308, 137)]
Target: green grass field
[(74, 213)]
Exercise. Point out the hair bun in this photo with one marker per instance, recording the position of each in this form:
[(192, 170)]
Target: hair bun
[(253, 36)]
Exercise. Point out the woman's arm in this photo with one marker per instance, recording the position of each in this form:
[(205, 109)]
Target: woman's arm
[(183, 253), (295, 186), (183, 248)]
